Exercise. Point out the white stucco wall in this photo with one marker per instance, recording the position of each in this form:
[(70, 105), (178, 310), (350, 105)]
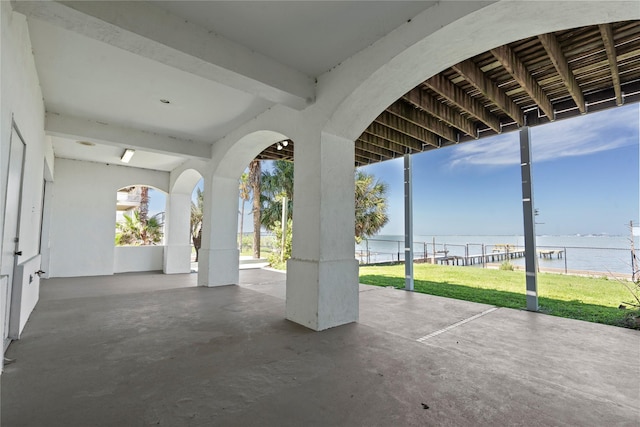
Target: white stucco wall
[(83, 214), (21, 100), (138, 258)]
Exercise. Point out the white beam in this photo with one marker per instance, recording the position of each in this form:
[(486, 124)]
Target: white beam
[(103, 133), (154, 33)]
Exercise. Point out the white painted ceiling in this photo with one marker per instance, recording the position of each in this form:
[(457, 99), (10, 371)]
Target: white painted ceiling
[(310, 36), (87, 78)]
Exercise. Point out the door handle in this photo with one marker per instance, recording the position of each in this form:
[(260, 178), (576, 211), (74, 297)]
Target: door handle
[(18, 253)]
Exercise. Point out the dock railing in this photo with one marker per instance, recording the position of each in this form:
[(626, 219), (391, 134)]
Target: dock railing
[(558, 259)]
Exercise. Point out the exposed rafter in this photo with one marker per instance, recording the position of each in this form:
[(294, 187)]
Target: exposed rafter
[(610, 47), (406, 127), (393, 135), (474, 75), (422, 119), (559, 61), (377, 141), (457, 96), (519, 72), (426, 102), (498, 90), (362, 146)]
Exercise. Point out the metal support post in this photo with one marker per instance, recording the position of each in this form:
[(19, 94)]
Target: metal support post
[(408, 225), (531, 260), (285, 204)]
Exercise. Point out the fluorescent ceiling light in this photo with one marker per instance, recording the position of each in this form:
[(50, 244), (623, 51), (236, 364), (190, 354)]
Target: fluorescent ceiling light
[(285, 142), (127, 155)]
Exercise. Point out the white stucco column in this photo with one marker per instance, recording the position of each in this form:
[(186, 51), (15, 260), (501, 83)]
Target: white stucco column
[(177, 245), (218, 261), (322, 274)]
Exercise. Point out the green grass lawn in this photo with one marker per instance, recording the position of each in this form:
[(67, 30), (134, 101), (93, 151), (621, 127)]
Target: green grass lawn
[(583, 298)]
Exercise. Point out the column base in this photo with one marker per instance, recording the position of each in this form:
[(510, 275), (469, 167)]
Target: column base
[(177, 259), (322, 294), (218, 267)]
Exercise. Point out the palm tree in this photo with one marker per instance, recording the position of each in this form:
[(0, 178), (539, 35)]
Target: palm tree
[(370, 199), (276, 183), (371, 205), (196, 221), (245, 195), (132, 231), (254, 179), (144, 204)]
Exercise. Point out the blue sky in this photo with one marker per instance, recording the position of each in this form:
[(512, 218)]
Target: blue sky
[(585, 178), (585, 175)]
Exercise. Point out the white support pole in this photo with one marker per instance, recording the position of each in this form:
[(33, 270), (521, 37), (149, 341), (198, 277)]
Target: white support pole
[(408, 224), (531, 259)]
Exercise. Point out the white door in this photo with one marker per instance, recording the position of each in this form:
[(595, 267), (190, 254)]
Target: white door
[(10, 243)]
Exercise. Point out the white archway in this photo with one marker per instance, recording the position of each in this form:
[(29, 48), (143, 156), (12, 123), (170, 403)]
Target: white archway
[(177, 251), (219, 254)]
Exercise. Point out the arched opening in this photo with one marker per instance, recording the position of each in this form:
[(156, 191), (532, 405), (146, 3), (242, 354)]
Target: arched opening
[(219, 258), (184, 218), (139, 229)]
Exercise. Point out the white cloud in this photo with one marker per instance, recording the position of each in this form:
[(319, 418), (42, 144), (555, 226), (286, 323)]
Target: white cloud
[(592, 133)]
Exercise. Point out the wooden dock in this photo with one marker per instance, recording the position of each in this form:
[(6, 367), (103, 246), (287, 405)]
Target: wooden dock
[(473, 259)]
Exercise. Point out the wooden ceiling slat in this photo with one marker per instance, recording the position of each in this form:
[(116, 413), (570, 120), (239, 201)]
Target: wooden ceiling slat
[(517, 69), (394, 122), (560, 63), (482, 95), (422, 119), (386, 144), (374, 149), (470, 71), (607, 38), (403, 139), (463, 101), (426, 102)]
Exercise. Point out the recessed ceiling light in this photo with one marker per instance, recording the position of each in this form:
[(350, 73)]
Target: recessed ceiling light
[(87, 143), (165, 101)]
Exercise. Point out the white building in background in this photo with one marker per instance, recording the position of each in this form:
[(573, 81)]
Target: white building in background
[(198, 94), (127, 201)]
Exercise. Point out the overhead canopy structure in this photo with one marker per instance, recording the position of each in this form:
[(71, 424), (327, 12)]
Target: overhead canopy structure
[(538, 79)]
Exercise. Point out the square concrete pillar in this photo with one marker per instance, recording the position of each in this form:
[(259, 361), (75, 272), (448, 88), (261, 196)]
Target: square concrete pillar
[(218, 261), (322, 274), (177, 251), (218, 267)]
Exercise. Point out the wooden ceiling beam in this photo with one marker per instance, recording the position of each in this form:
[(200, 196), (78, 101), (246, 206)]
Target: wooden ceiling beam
[(400, 138), (457, 96), (361, 161), (424, 120), (609, 45), (374, 149), (368, 156), (519, 72), (559, 61), (394, 122), (474, 75), (421, 99), (377, 141)]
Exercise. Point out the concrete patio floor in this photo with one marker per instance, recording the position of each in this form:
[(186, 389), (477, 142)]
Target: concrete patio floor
[(150, 349)]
